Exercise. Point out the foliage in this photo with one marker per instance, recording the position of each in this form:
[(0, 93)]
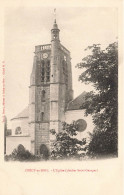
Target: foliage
[(21, 154), (101, 70), (66, 145), (103, 144)]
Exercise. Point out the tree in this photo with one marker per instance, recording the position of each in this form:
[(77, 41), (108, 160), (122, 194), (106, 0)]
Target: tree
[(66, 145), (21, 154), (101, 70)]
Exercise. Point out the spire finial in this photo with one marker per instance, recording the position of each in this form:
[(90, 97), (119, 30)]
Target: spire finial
[(55, 26), (54, 15)]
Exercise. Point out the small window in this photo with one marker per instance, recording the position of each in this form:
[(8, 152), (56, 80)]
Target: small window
[(8, 132), (43, 95), (18, 131), (42, 63), (48, 63), (42, 79), (65, 58), (42, 116), (42, 73), (48, 78)]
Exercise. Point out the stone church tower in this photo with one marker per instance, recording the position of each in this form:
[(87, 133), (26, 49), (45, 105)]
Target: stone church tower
[(50, 101), (50, 91)]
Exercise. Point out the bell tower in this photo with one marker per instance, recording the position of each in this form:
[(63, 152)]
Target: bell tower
[(39, 99), (61, 80), (50, 90)]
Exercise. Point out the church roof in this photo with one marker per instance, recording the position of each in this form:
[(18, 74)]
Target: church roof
[(23, 114), (73, 105), (77, 102)]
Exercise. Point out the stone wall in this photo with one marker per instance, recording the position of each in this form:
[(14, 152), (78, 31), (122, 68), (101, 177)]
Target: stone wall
[(41, 136)]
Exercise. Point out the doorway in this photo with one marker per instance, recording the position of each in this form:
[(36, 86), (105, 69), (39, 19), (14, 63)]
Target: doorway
[(44, 152)]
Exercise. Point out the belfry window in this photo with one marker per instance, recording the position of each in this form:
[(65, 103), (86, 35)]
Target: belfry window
[(42, 71), (63, 65), (65, 71), (18, 131), (48, 63), (45, 70), (48, 71)]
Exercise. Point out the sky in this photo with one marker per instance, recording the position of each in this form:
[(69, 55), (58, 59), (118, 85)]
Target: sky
[(26, 27)]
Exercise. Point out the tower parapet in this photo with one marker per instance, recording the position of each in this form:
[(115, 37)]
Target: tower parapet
[(39, 48)]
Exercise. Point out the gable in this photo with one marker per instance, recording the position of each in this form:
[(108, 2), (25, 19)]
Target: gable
[(23, 114)]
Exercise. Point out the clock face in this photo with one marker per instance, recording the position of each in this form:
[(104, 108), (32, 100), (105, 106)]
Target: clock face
[(45, 55)]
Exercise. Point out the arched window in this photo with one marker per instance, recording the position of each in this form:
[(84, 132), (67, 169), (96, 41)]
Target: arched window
[(42, 116), (21, 148), (43, 95), (48, 71), (48, 63), (45, 71), (18, 131), (65, 71), (42, 63), (42, 71), (8, 132), (63, 65)]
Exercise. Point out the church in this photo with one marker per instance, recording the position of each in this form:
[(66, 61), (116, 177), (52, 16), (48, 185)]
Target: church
[(51, 100)]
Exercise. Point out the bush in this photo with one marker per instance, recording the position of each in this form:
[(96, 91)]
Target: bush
[(21, 154), (66, 145)]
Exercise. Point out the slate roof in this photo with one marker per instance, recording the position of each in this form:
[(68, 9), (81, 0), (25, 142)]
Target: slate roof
[(23, 114), (77, 102)]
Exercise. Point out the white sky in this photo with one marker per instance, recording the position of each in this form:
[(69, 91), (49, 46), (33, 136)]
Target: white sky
[(27, 27)]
